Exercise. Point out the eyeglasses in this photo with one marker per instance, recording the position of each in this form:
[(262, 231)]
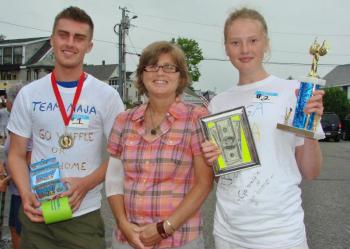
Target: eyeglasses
[(167, 68)]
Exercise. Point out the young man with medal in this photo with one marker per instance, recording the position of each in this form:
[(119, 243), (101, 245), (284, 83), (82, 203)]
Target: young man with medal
[(67, 113)]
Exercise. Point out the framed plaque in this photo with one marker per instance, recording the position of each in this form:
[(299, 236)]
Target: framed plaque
[(231, 132)]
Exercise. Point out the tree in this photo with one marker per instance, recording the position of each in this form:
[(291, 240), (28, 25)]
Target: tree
[(193, 54), (335, 100), (2, 37)]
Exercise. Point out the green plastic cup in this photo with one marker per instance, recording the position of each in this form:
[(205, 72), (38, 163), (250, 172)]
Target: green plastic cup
[(56, 210)]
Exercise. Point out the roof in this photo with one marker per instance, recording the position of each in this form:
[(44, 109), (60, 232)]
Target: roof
[(21, 41), (129, 74), (188, 97), (189, 91), (101, 72), (40, 53), (105, 72), (339, 76)]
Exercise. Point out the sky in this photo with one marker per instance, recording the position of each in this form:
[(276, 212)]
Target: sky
[(293, 26)]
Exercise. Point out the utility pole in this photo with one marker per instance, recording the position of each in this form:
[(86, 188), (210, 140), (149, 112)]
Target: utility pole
[(122, 31)]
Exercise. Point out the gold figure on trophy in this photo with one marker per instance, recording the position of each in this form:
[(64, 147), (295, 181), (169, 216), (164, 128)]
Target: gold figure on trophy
[(316, 50)]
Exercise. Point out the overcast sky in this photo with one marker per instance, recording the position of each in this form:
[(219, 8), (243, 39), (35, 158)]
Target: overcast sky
[(293, 25)]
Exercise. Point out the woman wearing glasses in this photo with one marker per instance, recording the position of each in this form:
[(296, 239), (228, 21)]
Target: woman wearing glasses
[(158, 146)]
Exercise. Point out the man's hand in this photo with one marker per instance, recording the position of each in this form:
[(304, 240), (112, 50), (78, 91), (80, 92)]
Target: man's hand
[(77, 189), (30, 207)]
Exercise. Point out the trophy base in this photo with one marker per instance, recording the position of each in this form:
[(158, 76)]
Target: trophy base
[(297, 131)]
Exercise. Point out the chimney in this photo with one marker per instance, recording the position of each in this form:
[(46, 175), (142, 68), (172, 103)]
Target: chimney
[(103, 63)]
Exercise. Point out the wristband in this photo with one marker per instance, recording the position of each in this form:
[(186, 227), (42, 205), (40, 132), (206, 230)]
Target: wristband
[(161, 231)]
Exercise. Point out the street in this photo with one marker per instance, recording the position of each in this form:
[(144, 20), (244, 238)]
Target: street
[(326, 202)]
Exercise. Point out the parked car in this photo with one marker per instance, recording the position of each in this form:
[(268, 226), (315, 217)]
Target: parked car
[(331, 126), (346, 128)]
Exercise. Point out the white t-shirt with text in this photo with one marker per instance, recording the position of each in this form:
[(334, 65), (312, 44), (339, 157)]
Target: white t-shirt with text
[(260, 207), (36, 114)]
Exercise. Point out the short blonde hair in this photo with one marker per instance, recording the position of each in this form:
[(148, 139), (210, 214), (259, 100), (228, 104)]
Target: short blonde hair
[(150, 56)]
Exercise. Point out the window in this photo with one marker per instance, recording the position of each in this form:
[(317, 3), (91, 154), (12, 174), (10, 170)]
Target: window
[(17, 55), (36, 74), (5, 75), (112, 82), (0, 56), (28, 75), (7, 55)]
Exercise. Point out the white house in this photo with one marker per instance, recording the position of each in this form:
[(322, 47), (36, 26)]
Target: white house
[(339, 77), (24, 60)]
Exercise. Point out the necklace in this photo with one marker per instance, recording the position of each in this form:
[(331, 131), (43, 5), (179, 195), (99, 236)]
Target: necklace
[(154, 129)]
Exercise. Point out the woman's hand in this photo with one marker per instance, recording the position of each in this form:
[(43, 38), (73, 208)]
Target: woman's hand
[(211, 151), (149, 235), (132, 234), (315, 103)]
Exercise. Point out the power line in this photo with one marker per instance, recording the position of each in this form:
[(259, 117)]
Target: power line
[(301, 64), (26, 27), (304, 53), (181, 21), (47, 31), (132, 44), (221, 26), (310, 34), (217, 42), (266, 62), (279, 63), (174, 34), (167, 33), (132, 53), (104, 41), (133, 47)]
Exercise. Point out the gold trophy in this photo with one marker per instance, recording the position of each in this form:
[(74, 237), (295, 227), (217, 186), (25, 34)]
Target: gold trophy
[(305, 124)]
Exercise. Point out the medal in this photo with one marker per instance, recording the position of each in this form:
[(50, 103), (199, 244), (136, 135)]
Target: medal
[(66, 141)]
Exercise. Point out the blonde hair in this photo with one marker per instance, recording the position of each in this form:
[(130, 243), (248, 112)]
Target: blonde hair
[(245, 13), (150, 56)]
